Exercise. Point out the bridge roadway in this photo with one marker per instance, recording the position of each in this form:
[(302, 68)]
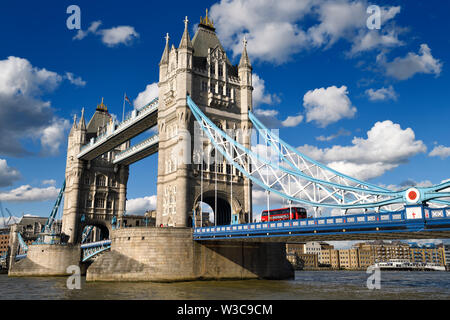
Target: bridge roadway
[(434, 224), (138, 121), (138, 152)]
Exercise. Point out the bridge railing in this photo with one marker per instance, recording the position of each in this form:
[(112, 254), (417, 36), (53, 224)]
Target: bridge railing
[(90, 250), (150, 141), (322, 223), (131, 117)]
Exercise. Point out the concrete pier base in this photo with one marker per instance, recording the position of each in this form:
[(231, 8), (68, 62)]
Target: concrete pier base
[(170, 254), (46, 260)]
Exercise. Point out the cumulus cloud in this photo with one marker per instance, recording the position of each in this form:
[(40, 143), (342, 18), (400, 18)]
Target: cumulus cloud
[(292, 121), (260, 95), (118, 35), (382, 94), (406, 67), (54, 135), (269, 116), (326, 106), (8, 175), (386, 147), (303, 25), (26, 193), (110, 37), (23, 112), (141, 205), (151, 92), (440, 151), (75, 80)]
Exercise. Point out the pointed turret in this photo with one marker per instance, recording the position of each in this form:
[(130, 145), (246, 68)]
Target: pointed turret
[(245, 61), (245, 77), (186, 39), (74, 126), (82, 124), (165, 55)]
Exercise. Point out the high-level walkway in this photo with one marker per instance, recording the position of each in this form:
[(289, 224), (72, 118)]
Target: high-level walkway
[(137, 122)]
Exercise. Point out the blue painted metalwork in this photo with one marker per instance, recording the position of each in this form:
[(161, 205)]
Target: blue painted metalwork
[(362, 195), (48, 225), (92, 249), (86, 233), (361, 224)]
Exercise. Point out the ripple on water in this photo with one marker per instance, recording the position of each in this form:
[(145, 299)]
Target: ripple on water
[(306, 285)]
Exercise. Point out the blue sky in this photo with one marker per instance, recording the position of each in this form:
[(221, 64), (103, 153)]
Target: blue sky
[(314, 61)]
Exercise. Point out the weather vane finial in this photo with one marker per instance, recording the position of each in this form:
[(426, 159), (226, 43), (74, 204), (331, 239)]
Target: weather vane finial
[(207, 21)]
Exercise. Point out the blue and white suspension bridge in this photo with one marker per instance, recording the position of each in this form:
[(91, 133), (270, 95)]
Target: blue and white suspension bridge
[(422, 212)]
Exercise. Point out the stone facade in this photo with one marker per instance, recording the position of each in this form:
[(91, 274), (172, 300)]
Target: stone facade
[(170, 254), (95, 190), (46, 260), (200, 68)]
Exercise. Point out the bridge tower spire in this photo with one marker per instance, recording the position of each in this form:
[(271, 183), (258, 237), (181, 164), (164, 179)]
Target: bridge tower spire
[(95, 190), (201, 69), (246, 100)]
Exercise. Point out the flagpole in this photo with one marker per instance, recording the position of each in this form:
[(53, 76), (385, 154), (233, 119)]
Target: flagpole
[(123, 112)]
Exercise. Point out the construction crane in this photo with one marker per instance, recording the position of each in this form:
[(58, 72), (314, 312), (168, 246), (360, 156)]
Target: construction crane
[(10, 216), (47, 228), (51, 219), (3, 216)]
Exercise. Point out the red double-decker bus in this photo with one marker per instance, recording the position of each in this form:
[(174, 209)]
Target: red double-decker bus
[(294, 213)]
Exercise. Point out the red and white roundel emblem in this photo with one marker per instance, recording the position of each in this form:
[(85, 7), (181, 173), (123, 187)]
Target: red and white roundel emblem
[(412, 195)]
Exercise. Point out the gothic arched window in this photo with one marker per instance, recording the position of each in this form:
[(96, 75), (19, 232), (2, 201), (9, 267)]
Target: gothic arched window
[(100, 181)]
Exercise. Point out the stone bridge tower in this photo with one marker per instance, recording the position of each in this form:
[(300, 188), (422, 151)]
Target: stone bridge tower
[(95, 190), (223, 91)]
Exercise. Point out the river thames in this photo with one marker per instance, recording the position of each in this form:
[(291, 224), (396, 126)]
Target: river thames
[(318, 285)]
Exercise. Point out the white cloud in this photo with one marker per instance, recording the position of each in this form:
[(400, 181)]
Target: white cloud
[(78, 81), (54, 135), (27, 193), (8, 175), (406, 67), (151, 92), (387, 146), (440, 151), (341, 132), (50, 182), (260, 96), (325, 106), (19, 77), (382, 94), (118, 35), (141, 205), (292, 121), (23, 112), (278, 29), (92, 29), (110, 37)]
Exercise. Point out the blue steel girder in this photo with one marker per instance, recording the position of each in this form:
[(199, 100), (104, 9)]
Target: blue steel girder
[(90, 250), (290, 155), (434, 223), (316, 191)]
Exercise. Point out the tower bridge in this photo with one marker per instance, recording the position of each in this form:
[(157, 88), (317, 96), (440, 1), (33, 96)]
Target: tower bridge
[(200, 91)]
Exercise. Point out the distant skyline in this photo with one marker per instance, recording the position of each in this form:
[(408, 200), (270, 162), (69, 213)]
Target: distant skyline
[(373, 104)]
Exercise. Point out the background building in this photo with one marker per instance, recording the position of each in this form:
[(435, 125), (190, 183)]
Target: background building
[(427, 253)]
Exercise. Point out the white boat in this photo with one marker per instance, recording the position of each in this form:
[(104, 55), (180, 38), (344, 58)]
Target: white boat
[(398, 264)]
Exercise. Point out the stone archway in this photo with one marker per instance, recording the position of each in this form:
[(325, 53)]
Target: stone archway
[(100, 231), (225, 210)]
